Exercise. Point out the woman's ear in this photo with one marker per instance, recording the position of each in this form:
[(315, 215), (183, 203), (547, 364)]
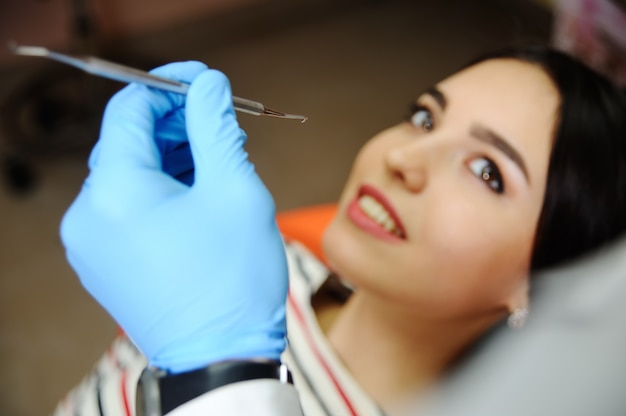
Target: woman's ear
[(518, 305), (519, 299)]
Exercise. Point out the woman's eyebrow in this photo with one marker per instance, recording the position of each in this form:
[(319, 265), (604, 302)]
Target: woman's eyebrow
[(490, 137), (437, 96)]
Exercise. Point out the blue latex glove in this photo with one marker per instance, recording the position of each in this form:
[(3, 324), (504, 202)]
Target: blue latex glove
[(192, 268)]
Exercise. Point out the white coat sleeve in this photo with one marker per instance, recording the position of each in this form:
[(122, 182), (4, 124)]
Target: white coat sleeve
[(256, 397)]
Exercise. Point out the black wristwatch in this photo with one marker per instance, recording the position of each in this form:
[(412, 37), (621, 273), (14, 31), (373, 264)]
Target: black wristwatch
[(159, 392)]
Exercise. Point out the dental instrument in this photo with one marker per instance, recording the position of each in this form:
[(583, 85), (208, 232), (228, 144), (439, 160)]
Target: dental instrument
[(117, 72)]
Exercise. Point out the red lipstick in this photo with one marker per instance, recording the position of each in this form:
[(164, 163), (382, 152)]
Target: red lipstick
[(356, 214)]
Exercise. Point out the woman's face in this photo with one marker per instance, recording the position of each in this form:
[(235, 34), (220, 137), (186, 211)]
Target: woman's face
[(439, 213)]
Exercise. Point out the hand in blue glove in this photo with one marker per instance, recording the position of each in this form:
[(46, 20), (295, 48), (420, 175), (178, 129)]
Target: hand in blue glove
[(184, 253)]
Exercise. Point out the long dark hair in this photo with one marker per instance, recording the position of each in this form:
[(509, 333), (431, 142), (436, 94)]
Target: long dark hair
[(585, 200)]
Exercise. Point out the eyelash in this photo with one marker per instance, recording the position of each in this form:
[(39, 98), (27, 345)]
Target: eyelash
[(489, 171), (416, 109)]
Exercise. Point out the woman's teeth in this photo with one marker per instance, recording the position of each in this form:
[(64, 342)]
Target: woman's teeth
[(373, 209)]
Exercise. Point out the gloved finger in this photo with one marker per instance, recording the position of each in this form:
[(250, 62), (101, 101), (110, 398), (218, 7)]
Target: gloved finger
[(215, 136), (128, 129), (180, 71)]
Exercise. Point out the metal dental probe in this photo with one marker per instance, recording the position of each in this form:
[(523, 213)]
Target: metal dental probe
[(117, 72)]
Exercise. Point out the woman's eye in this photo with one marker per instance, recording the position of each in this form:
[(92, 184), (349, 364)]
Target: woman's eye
[(487, 171), (421, 117)]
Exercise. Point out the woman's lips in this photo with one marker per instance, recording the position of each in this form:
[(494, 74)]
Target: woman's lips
[(373, 213)]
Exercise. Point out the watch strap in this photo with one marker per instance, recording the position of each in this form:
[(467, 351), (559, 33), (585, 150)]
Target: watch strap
[(177, 389)]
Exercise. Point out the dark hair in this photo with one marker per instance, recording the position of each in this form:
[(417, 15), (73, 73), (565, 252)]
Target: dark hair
[(585, 200)]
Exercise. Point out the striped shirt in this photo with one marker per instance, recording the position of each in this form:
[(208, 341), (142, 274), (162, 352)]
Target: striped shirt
[(325, 387)]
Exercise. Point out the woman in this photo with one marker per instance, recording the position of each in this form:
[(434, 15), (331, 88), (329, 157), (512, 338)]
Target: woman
[(516, 163)]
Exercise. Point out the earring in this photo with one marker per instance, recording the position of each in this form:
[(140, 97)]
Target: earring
[(517, 319)]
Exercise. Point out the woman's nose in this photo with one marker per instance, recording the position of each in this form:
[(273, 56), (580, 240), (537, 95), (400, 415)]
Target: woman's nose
[(408, 167)]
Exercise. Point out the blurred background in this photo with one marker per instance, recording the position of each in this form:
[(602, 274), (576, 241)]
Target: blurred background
[(351, 66)]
